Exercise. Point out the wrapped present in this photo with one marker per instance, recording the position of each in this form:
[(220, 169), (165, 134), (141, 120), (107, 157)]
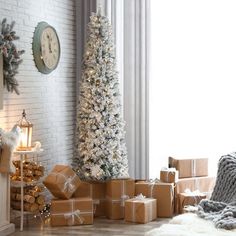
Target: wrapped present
[(140, 209), (117, 191), (189, 198), (162, 192), (169, 175), (99, 207), (203, 184), (62, 182), (190, 167), (96, 191), (75, 211)]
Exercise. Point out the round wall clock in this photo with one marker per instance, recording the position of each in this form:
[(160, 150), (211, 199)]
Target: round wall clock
[(46, 48)]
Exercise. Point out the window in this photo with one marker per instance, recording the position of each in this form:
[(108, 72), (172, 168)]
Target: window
[(192, 80)]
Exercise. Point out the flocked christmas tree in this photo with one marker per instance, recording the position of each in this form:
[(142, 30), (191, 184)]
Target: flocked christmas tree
[(101, 146)]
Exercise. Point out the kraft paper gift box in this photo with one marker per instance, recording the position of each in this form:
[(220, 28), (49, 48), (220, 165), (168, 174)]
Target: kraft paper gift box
[(96, 191), (169, 175), (62, 182), (189, 199), (162, 192), (75, 211), (117, 191), (190, 167), (202, 184), (140, 209)]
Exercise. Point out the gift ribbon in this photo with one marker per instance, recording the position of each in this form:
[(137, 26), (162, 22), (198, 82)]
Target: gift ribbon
[(68, 186), (151, 184), (193, 167), (73, 214), (123, 195), (196, 184)]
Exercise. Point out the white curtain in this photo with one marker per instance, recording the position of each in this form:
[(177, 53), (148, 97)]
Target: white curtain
[(130, 21)]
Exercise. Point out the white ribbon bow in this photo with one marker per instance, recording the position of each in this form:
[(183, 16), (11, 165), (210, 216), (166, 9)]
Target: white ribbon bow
[(192, 193), (72, 215), (140, 197), (68, 186)]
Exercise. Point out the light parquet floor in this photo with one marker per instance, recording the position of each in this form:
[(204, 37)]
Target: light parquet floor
[(101, 227)]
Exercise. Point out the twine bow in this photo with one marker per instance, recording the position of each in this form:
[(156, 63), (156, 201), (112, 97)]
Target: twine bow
[(152, 183), (68, 186), (73, 215), (140, 197)]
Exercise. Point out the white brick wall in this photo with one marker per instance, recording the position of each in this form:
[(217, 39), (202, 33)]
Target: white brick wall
[(49, 100)]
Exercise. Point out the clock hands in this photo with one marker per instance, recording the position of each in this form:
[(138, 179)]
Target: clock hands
[(49, 43)]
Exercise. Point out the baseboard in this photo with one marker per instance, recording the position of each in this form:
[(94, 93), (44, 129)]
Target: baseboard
[(7, 229)]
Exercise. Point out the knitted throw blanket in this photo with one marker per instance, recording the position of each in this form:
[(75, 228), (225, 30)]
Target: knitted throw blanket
[(221, 208)]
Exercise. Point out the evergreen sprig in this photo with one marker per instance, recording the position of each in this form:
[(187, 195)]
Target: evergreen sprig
[(11, 56)]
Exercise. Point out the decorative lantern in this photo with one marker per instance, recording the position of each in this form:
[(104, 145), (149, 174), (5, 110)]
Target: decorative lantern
[(26, 133)]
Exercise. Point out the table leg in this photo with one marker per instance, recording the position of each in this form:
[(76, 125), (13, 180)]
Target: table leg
[(22, 194)]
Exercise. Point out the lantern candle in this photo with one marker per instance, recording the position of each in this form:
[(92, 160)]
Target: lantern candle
[(26, 133)]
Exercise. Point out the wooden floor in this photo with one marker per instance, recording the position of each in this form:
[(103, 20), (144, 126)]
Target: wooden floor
[(101, 227)]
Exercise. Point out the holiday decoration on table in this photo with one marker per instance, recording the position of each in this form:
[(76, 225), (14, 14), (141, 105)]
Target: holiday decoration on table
[(11, 56), (101, 148)]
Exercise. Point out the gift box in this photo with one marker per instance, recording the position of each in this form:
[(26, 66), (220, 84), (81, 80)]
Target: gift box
[(75, 211), (117, 191), (140, 209), (190, 167), (62, 182), (162, 192), (96, 191), (203, 184), (190, 199), (99, 207), (169, 175)]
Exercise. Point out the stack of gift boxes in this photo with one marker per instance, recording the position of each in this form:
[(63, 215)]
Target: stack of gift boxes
[(192, 183), (77, 202)]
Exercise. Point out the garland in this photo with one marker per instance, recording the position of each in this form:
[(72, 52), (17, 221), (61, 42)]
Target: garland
[(11, 56)]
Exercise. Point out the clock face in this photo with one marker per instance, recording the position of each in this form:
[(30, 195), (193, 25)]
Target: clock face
[(50, 48), (46, 48)]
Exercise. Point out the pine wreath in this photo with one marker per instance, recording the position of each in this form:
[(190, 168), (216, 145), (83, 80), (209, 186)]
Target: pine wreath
[(11, 56)]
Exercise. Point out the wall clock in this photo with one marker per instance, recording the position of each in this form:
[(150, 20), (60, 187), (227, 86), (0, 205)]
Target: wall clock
[(46, 48)]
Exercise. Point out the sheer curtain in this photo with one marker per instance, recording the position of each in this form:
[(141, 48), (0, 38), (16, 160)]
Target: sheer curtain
[(193, 78)]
